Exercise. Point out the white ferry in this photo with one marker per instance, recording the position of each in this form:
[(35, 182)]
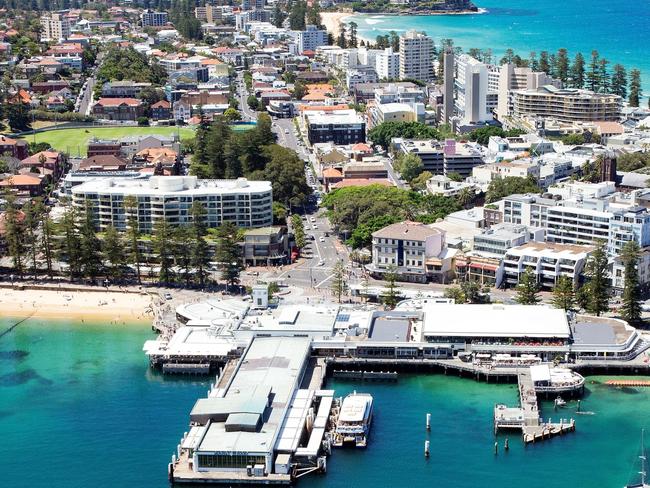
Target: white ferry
[(353, 424)]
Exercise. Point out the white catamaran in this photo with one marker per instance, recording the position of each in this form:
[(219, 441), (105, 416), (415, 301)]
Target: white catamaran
[(643, 472), (353, 424)]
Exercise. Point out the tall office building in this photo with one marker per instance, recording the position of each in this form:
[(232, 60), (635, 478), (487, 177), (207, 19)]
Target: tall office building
[(56, 27), (416, 56), (448, 85), (472, 90)]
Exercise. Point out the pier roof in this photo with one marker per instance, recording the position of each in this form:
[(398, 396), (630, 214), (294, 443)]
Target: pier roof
[(474, 320), (273, 363)]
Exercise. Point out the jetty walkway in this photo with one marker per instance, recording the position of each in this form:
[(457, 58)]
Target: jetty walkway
[(527, 416)]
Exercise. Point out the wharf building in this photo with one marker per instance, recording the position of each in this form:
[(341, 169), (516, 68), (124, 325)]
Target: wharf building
[(429, 328), (244, 203), (267, 415)]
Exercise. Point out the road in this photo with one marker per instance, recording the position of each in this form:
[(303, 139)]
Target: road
[(286, 132), (308, 273), (247, 113), (392, 175), (86, 97)]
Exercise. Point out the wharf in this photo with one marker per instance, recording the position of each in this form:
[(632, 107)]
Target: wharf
[(527, 417), (186, 368), (365, 375)]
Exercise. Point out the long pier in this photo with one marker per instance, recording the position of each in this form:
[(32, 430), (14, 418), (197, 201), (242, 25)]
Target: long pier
[(527, 416)]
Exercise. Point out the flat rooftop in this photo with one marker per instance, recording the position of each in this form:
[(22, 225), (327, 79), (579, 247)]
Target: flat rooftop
[(275, 363), (172, 185), (472, 320), (390, 329), (601, 331)]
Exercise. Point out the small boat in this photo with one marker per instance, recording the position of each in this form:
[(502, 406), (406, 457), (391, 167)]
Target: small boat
[(560, 402), (642, 483), (353, 424)]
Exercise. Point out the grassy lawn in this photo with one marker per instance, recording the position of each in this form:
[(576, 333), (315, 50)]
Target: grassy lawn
[(75, 141)]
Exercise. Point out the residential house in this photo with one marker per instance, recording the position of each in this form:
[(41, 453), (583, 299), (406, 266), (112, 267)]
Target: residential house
[(24, 185), (118, 109), (161, 110), (16, 148), (103, 163), (50, 163)]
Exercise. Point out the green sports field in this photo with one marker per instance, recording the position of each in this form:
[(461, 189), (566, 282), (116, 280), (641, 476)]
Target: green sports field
[(75, 141)]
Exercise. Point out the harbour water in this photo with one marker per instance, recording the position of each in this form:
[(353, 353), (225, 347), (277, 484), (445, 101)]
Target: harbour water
[(79, 407), (620, 31)]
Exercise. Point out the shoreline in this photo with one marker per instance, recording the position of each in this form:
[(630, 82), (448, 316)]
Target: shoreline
[(332, 21), (112, 308)]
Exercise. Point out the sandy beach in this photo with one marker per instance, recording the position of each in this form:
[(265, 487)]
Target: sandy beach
[(332, 21), (90, 306)]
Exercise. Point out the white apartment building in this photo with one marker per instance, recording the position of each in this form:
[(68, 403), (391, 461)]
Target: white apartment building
[(498, 239), (441, 185), (566, 105), (360, 74), (416, 56), (387, 64), (512, 78), (151, 18), (579, 213), (643, 269), (485, 173), (395, 112), (415, 251), (473, 86), (548, 261), (242, 202), (311, 38), (56, 27), (394, 93)]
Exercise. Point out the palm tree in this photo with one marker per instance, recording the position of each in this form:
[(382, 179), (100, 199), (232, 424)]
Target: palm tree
[(466, 196)]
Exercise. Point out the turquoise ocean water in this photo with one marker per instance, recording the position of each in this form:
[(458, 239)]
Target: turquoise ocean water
[(79, 408), (619, 30)]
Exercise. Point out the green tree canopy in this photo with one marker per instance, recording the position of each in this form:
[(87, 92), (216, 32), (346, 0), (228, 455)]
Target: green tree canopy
[(528, 288), (510, 185), (383, 133), (631, 308)]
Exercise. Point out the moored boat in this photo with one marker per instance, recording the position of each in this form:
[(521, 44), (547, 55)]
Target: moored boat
[(353, 424)]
